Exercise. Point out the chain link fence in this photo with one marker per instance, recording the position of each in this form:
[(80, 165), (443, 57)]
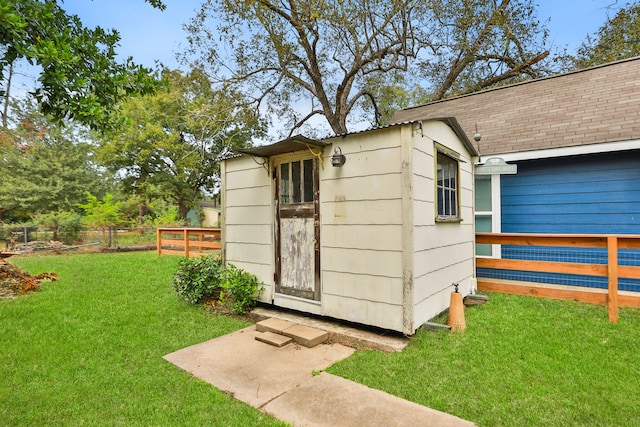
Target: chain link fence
[(31, 238)]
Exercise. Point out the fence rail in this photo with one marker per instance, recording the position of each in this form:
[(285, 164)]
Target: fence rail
[(611, 269), (188, 242)]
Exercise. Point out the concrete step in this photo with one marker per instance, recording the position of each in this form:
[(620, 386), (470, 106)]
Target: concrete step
[(301, 334), (270, 338), (274, 325), (306, 335), (339, 332)]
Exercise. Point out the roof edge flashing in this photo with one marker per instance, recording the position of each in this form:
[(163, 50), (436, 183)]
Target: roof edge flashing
[(288, 145)]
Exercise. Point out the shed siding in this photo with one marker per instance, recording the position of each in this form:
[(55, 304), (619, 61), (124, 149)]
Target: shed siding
[(361, 222), (248, 219), (378, 237), (384, 261), (249, 196), (356, 286), (443, 252), (363, 310), (346, 212)]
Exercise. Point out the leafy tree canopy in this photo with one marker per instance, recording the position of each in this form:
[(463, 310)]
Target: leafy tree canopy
[(80, 77), (618, 38), (101, 213), (172, 141), (44, 166), (333, 58)]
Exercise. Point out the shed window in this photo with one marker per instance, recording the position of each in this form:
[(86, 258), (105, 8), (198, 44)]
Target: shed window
[(296, 182), (447, 188)]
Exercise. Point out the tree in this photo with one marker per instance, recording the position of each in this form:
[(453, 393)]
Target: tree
[(101, 214), (341, 56), (618, 38), (65, 226), (44, 166), (474, 45), (80, 77), (172, 141)]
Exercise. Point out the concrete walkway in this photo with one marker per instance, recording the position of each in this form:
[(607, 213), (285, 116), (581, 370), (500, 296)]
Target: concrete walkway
[(288, 384)]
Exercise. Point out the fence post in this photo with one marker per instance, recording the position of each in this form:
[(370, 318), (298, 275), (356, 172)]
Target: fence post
[(612, 269), (186, 242), (159, 241)]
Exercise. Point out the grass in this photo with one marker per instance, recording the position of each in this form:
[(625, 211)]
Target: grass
[(522, 361), (87, 349), (134, 238)]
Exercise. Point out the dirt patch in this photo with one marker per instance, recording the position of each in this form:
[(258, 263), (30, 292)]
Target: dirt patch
[(15, 282)]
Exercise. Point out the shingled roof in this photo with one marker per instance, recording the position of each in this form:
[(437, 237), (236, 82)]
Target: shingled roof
[(590, 106)]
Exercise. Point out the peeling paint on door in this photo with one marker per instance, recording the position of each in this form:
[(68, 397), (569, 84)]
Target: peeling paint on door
[(297, 229), (297, 237)]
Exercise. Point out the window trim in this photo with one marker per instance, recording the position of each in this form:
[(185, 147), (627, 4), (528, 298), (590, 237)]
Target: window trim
[(299, 191), (495, 213), (441, 150)]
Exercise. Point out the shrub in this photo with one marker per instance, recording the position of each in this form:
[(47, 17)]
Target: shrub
[(198, 279), (65, 226), (240, 289), (164, 215)]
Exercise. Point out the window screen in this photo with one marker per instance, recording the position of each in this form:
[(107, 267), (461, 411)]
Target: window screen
[(447, 187)]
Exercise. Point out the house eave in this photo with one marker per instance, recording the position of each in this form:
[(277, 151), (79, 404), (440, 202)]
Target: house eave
[(604, 147)]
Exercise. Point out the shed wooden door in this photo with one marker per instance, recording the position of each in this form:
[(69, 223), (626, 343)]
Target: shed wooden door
[(297, 229)]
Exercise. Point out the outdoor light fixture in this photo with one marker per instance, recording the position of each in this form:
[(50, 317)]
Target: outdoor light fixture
[(478, 136), (338, 159)]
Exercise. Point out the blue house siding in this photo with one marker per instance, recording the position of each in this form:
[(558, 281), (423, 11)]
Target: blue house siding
[(591, 194), (594, 194)]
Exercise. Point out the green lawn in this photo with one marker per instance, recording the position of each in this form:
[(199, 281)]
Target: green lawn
[(87, 349), (522, 361)]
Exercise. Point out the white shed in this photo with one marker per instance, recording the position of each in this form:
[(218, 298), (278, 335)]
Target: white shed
[(378, 240)]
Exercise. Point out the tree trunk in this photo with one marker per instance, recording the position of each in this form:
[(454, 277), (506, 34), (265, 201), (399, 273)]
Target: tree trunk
[(142, 212), (183, 210), (7, 96)]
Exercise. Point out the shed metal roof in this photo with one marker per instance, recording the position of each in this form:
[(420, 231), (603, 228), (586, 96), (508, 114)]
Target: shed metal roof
[(300, 142), (289, 145)]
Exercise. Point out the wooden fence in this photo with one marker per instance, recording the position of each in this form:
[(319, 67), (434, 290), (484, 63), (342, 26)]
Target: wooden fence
[(188, 242), (611, 270)]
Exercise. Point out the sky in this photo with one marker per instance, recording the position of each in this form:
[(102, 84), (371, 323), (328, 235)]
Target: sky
[(149, 34)]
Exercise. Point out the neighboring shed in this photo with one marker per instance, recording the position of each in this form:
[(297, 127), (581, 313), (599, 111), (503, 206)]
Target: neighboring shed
[(575, 140), (211, 213), (206, 215), (378, 240)]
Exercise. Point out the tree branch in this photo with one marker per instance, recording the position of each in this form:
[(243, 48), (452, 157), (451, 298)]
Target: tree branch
[(513, 72), (466, 56)]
